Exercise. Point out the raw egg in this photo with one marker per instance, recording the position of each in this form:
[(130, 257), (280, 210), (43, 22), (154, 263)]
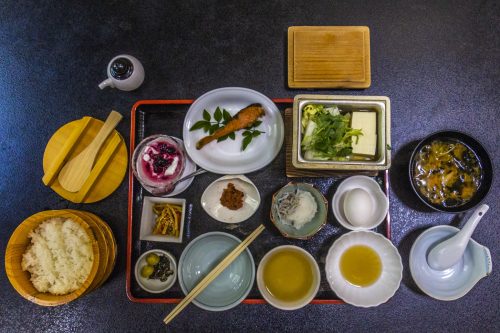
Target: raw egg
[(358, 207)]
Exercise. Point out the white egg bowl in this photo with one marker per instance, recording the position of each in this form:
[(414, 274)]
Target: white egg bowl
[(379, 202), (381, 290)]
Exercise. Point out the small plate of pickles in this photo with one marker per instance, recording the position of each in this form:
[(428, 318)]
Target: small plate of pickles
[(162, 219), (156, 271)]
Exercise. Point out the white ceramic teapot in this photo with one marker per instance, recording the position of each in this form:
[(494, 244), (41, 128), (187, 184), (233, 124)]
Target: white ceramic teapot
[(124, 72)]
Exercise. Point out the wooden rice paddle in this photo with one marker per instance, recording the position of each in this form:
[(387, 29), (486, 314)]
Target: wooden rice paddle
[(74, 173), (213, 274)]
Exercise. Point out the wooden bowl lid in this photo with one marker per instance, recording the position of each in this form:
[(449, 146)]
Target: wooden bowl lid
[(108, 171), (329, 57)]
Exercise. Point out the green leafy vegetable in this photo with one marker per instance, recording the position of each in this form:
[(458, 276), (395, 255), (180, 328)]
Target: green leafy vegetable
[(326, 133)]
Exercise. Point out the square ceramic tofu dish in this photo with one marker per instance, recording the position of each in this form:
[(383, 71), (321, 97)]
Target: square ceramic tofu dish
[(375, 110)]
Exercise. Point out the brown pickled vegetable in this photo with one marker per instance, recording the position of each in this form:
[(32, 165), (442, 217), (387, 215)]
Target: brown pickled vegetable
[(447, 173)]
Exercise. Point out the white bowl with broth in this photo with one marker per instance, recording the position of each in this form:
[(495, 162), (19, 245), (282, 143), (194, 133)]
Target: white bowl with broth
[(288, 277), (364, 268)]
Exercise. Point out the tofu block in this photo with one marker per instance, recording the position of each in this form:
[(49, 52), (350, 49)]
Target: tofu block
[(366, 145), (366, 121)]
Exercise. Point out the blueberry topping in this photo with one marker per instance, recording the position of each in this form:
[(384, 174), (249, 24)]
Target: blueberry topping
[(163, 148), (161, 162)]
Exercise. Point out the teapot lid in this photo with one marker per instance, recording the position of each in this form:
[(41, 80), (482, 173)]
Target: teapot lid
[(121, 68)]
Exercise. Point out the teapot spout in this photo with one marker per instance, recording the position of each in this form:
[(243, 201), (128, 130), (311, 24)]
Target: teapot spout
[(106, 83)]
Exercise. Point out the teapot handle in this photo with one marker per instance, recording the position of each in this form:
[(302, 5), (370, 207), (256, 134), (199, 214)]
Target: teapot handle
[(106, 83)]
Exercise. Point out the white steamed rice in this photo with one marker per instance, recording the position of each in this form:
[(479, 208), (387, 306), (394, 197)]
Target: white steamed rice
[(60, 257)]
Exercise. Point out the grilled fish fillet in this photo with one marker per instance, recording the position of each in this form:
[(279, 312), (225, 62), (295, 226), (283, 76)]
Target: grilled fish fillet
[(244, 118)]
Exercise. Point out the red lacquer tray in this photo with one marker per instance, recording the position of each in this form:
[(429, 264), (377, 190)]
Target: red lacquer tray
[(150, 117)]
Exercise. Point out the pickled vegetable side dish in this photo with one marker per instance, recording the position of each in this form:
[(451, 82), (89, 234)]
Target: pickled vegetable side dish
[(447, 173)]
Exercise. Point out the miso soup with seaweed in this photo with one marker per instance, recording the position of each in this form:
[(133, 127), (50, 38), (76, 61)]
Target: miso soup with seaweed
[(447, 173)]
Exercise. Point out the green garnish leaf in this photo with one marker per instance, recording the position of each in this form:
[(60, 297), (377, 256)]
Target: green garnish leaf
[(247, 133), (206, 115), (222, 138), (226, 116), (257, 123), (199, 125), (246, 142), (206, 127), (213, 128), (218, 114), (256, 133), (231, 136)]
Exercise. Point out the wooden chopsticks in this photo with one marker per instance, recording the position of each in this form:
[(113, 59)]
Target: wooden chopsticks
[(213, 274)]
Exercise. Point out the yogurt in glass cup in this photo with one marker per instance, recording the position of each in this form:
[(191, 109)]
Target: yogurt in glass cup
[(158, 162)]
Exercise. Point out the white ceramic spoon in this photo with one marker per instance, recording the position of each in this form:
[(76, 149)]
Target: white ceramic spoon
[(448, 253)]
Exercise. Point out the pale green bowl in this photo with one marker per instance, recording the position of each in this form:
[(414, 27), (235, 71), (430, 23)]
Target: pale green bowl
[(231, 286), (308, 229)]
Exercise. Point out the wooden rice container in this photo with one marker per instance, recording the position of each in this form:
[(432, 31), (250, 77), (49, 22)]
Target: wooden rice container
[(17, 246)]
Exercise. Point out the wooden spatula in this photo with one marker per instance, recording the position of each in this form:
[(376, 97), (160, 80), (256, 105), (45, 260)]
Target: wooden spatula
[(74, 173)]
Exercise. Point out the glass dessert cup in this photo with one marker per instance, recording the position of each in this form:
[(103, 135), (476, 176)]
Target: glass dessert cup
[(158, 162)]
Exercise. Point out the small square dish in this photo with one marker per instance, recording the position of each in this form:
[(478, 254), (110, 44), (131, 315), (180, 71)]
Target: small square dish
[(365, 144), (149, 218)]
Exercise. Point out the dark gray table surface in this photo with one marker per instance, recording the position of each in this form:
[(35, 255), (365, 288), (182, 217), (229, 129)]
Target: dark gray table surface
[(438, 62)]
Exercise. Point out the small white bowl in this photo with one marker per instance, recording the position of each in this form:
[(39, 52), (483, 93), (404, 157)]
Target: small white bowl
[(382, 289), (210, 199), (380, 202), (155, 286), (148, 220), (283, 305)]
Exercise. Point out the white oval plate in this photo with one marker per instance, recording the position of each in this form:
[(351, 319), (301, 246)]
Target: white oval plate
[(386, 285), (226, 157), (210, 199)]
